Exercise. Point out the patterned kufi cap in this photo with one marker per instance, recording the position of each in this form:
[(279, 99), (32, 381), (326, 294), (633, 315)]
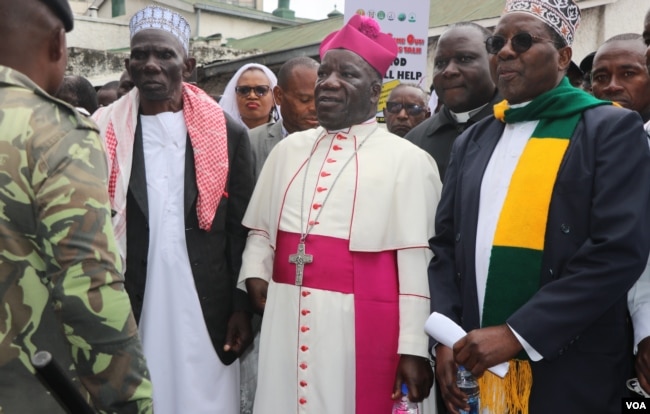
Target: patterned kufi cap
[(562, 15), (155, 17)]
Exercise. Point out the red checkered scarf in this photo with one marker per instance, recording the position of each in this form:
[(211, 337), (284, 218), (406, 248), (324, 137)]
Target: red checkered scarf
[(206, 126)]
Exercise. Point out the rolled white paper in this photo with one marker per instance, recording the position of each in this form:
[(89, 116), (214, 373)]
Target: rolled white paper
[(447, 332)]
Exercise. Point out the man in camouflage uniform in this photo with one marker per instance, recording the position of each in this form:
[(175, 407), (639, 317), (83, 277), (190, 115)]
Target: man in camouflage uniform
[(61, 286)]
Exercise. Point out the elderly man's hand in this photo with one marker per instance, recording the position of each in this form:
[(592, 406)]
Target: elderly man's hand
[(446, 369), (417, 373), (642, 364), (483, 348), (239, 334), (257, 289)]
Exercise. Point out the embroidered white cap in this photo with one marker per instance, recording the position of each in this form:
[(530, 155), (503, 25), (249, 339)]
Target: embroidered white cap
[(160, 18)]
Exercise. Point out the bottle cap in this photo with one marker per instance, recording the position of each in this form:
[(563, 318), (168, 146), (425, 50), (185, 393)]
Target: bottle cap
[(461, 368), (405, 389)]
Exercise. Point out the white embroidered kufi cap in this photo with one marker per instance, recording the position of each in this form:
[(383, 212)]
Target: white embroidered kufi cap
[(155, 17)]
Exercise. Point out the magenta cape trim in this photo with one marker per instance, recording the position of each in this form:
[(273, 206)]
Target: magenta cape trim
[(372, 278)]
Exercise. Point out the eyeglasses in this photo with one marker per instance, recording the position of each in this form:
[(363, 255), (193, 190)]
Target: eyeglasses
[(520, 42), (411, 109), (259, 90)]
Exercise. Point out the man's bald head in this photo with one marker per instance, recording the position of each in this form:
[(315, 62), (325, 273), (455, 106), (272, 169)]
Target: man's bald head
[(34, 41)]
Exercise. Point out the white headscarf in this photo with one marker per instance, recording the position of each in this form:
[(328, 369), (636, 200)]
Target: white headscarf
[(228, 100)]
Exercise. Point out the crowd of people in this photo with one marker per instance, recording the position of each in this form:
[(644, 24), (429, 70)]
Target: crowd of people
[(278, 250)]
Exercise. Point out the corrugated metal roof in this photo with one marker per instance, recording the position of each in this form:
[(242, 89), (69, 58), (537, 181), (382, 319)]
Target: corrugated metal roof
[(289, 38), (442, 13), (249, 12)]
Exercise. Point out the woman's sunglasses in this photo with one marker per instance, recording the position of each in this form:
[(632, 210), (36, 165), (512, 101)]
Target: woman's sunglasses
[(259, 90)]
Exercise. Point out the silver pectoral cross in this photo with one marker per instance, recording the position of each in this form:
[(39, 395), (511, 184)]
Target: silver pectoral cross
[(300, 259)]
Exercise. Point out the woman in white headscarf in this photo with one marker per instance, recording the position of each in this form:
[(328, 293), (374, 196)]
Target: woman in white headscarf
[(248, 96)]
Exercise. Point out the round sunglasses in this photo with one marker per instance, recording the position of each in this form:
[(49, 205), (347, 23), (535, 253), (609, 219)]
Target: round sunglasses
[(520, 42)]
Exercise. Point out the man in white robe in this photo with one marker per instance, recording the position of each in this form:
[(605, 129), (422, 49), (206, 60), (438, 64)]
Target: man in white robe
[(337, 253), (180, 180)]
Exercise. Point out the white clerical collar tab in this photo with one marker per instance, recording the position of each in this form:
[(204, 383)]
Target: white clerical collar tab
[(463, 117), (371, 121)]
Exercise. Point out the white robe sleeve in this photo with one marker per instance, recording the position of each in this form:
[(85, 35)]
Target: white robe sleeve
[(638, 303), (414, 300), (257, 259)]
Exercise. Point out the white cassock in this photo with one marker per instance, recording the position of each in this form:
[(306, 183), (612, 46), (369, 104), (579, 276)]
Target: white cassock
[(186, 373), (379, 203)]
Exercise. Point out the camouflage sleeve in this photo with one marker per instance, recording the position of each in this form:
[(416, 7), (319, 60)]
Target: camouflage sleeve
[(85, 270)]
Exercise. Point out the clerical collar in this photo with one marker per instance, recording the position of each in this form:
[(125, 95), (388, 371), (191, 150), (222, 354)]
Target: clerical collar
[(463, 117), (370, 121), (647, 128), (284, 130)]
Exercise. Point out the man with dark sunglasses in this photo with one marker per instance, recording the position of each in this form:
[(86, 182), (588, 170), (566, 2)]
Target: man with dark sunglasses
[(406, 108), (541, 230), (462, 81)]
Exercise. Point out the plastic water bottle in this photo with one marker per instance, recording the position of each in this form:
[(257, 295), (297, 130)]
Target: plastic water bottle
[(469, 385), (404, 406)]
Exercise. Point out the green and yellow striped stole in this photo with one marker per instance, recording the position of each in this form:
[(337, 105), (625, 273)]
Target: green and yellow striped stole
[(516, 256)]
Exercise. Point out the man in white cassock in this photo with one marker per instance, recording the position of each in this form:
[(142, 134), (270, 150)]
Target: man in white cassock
[(337, 254), (180, 180)]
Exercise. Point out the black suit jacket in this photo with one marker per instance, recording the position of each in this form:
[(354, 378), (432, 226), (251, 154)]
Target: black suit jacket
[(215, 256), (596, 246)]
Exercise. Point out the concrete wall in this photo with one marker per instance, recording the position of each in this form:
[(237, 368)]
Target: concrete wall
[(206, 24), (99, 34), (202, 23), (100, 66), (601, 23)]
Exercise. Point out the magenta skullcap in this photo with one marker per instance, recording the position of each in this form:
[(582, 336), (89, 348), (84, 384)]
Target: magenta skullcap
[(362, 35), (562, 15)]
